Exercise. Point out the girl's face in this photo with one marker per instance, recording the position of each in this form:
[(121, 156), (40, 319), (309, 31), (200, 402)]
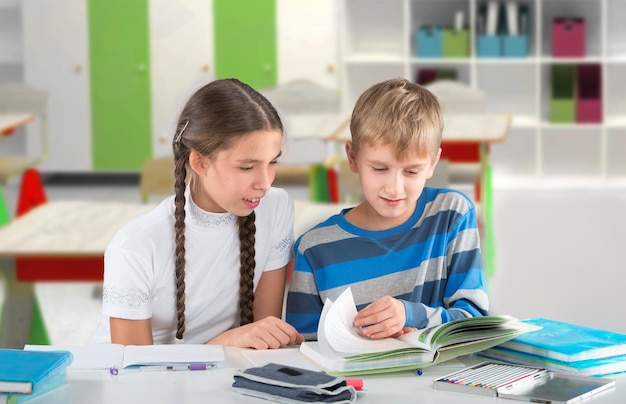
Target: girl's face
[(390, 187), (237, 178)]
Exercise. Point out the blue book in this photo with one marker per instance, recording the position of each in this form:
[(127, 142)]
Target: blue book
[(48, 384), (21, 372), (567, 342), (587, 367)]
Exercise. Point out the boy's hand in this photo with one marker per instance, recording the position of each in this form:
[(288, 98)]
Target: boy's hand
[(383, 318)]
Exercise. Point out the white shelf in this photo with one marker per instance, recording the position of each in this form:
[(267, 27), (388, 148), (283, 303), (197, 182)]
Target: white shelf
[(537, 152)]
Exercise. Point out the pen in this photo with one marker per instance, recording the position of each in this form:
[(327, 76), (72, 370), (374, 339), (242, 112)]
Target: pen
[(191, 367)]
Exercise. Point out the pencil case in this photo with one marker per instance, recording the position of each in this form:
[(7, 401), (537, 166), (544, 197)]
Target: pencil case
[(286, 384)]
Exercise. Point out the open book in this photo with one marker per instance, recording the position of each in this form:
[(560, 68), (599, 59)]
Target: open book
[(341, 349), (109, 356)]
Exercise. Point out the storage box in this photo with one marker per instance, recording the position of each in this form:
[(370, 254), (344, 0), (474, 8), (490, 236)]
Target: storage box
[(562, 106), (488, 46), (568, 37), (429, 42), (515, 46), (589, 93), (456, 43)]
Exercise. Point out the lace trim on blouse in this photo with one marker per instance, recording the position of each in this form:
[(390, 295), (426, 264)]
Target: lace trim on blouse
[(130, 299), (207, 219)]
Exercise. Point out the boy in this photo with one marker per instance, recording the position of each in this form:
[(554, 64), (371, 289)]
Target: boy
[(411, 254)]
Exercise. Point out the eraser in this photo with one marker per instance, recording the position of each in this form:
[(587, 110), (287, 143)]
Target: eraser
[(356, 383)]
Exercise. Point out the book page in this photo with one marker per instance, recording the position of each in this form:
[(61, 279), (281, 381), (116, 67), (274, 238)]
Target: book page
[(137, 355), (343, 337)]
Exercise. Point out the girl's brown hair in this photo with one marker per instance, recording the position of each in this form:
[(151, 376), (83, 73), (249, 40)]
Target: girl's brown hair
[(212, 120)]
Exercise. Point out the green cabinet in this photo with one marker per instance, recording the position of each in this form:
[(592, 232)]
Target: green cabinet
[(245, 41), (120, 84)]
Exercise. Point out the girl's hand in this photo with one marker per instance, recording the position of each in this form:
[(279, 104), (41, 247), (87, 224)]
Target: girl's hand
[(267, 333), (383, 318)]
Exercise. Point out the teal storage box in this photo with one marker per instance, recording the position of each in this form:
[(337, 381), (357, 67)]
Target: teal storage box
[(515, 46), (489, 46), (456, 43), (429, 42)]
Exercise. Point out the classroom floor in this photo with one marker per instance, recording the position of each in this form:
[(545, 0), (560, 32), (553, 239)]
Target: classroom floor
[(559, 254)]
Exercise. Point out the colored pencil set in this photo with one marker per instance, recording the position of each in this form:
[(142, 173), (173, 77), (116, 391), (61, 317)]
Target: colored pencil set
[(488, 378)]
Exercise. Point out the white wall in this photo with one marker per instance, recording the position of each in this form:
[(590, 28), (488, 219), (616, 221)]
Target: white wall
[(560, 255)]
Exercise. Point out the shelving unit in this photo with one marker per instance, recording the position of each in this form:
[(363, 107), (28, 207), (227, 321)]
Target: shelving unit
[(377, 42)]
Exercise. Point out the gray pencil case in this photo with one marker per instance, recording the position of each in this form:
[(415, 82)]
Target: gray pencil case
[(287, 384)]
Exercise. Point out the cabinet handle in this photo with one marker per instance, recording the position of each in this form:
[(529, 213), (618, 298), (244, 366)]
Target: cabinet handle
[(267, 68), (78, 68), (330, 68), (205, 68), (141, 68)]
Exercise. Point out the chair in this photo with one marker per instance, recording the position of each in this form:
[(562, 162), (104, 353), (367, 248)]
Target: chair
[(17, 99)]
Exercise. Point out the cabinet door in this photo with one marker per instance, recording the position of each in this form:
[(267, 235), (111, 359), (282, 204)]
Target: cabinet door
[(245, 41), (56, 61), (120, 84), (308, 41), (181, 54)]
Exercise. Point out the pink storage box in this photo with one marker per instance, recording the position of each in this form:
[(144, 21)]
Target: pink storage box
[(568, 37), (589, 93)]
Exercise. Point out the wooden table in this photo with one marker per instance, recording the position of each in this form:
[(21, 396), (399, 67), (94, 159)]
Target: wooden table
[(57, 241)]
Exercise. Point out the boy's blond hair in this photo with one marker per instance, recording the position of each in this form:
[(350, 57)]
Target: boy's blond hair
[(399, 113)]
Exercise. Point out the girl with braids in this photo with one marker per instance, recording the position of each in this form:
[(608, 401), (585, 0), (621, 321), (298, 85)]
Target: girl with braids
[(208, 264)]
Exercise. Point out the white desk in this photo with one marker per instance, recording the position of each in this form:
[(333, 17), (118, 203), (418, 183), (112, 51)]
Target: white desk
[(57, 241), (214, 386)]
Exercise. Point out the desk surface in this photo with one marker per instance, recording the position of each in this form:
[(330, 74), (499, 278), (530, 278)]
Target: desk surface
[(86, 227), (487, 127), (477, 127), (215, 386), (66, 228)]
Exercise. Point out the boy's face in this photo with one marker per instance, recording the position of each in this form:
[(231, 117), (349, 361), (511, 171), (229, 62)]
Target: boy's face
[(390, 187)]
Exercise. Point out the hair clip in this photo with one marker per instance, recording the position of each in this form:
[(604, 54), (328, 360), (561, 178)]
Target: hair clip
[(180, 134)]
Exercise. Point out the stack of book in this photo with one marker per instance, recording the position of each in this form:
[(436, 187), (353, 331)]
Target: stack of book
[(28, 374), (566, 348)]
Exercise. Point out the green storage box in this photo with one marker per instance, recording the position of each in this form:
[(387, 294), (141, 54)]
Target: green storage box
[(562, 104), (456, 44)]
